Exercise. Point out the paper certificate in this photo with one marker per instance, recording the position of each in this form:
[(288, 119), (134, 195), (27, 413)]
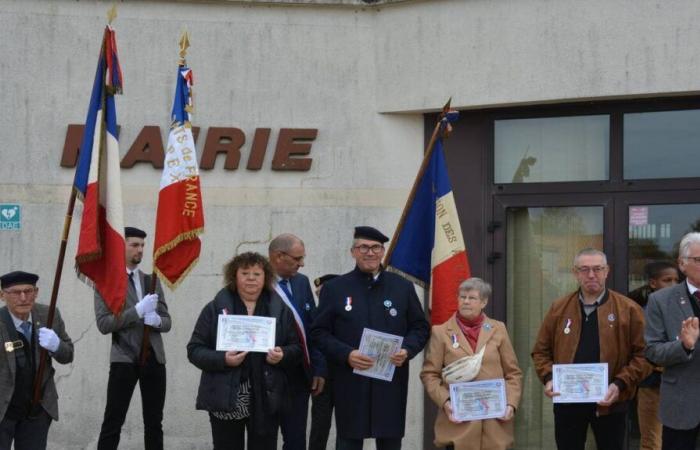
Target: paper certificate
[(477, 400), (379, 346), (245, 333), (579, 383)]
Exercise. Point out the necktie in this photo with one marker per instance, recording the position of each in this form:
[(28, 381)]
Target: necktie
[(26, 330), (131, 280), (696, 295), (284, 285)]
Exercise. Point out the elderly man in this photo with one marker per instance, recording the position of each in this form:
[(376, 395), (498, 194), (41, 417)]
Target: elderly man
[(287, 255), (127, 363), (22, 332), (593, 325), (368, 297), (671, 335)]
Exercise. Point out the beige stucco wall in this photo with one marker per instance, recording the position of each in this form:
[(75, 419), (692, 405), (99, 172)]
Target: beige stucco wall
[(361, 75)]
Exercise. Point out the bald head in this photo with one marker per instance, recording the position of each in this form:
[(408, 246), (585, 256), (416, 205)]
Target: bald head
[(287, 255)]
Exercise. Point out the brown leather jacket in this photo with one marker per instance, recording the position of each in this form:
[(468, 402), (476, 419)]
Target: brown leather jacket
[(621, 333)]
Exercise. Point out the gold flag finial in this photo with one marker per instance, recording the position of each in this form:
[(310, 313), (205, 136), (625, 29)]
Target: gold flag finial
[(184, 45), (111, 14)]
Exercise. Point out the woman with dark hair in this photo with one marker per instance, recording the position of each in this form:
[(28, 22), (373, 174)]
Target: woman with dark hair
[(244, 390)]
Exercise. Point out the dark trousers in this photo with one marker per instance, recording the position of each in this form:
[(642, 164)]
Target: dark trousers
[(230, 435), (571, 425), (28, 434), (672, 439), (356, 444), (321, 417), (120, 387), (293, 421)]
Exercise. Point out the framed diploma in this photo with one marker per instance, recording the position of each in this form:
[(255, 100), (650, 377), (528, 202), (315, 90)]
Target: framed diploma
[(245, 333), (478, 400), (379, 346), (579, 383)]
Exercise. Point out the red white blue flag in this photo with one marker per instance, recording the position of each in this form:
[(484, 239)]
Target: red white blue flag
[(428, 248), (101, 245), (180, 217)]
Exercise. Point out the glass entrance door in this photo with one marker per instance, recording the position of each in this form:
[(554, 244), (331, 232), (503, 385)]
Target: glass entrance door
[(539, 240)]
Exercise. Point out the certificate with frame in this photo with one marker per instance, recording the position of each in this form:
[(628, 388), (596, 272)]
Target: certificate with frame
[(245, 333), (580, 383), (478, 400)]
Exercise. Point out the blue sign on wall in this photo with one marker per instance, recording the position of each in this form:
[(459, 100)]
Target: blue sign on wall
[(10, 215)]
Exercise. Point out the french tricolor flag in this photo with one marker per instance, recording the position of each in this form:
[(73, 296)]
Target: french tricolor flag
[(428, 247), (180, 216), (100, 259)]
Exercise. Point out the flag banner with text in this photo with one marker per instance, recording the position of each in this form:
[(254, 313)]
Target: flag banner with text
[(429, 248), (180, 217), (101, 247)]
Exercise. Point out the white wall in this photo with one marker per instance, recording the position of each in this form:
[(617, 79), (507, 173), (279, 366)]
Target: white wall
[(338, 69)]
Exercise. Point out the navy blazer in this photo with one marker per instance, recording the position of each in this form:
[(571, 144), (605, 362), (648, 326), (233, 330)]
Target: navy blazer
[(305, 306)]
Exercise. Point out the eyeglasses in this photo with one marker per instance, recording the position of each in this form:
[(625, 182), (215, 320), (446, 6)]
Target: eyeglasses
[(695, 259), (19, 292), (295, 258), (595, 269), (364, 249)]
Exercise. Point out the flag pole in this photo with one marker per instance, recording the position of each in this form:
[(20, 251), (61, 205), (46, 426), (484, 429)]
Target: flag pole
[(421, 171), (145, 343), (67, 221)]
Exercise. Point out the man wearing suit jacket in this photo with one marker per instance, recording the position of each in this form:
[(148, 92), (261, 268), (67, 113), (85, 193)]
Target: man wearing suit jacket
[(22, 332), (671, 335), (287, 255), (126, 365)]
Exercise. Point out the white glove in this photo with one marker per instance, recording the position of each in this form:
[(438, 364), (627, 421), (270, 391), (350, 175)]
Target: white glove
[(152, 319), (48, 339), (147, 304)]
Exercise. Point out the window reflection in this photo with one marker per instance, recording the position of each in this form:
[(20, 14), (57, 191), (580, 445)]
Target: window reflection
[(662, 144), (551, 149)]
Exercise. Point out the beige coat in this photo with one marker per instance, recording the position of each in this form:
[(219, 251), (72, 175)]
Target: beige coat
[(499, 362)]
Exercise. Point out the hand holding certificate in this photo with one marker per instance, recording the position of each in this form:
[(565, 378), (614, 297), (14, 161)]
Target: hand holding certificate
[(380, 347), (579, 383), (478, 400), (245, 333)]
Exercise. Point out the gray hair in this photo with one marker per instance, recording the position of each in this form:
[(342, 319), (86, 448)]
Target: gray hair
[(284, 243), (590, 251), (689, 239), (476, 284)]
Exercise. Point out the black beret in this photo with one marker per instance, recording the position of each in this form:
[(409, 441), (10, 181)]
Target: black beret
[(18, 277), (134, 232), (370, 233), (320, 280)]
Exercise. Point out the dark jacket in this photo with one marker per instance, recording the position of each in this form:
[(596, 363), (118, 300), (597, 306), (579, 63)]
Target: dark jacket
[(305, 306), (367, 407), (218, 386)]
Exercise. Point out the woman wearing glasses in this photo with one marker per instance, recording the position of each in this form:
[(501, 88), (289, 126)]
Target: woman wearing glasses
[(471, 347)]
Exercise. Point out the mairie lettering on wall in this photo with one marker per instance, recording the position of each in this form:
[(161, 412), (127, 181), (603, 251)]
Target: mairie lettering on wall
[(292, 145)]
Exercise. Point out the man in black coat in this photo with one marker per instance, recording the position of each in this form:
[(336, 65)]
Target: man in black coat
[(368, 297)]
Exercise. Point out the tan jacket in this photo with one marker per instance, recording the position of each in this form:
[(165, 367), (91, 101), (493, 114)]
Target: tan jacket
[(499, 362), (621, 334)]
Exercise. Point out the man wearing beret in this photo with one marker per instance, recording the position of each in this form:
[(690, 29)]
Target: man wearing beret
[(126, 365), (22, 333), (368, 297), (287, 253)]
